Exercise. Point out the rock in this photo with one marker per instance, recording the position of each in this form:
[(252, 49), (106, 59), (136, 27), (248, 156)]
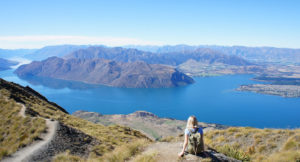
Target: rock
[(143, 114)]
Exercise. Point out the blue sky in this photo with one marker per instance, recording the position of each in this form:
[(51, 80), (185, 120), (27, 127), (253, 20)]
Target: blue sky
[(36, 23)]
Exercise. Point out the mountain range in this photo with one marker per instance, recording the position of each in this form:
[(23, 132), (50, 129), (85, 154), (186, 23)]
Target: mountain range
[(173, 58), (49, 51), (6, 64), (107, 72), (256, 54)]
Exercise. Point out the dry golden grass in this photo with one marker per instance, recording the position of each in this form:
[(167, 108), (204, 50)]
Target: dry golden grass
[(63, 157), (254, 144), (16, 131), (122, 153), (125, 152), (110, 138)]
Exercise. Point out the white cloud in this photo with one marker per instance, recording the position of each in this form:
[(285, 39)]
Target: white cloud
[(38, 41)]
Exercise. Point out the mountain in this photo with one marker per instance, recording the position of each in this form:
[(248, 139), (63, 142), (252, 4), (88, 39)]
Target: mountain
[(254, 54), (106, 72), (6, 64), (11, 53), (172, 58), (165, 48), (49, 51), (35, 129)]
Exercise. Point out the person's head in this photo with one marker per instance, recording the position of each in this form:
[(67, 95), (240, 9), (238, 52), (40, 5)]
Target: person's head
[(192, 122)]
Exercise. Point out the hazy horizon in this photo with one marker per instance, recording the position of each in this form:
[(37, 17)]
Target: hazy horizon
[(126, 46), (253, 23)]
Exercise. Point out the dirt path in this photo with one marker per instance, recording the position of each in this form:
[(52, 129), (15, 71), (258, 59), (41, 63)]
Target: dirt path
[(24, 154), (22, 111), (165, 151)]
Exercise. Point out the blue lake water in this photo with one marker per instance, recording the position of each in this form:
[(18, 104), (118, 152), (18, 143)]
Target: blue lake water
[(211, 99)]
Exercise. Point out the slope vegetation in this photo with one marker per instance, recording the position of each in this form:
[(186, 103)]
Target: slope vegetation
[(81, 137), (254, 144)]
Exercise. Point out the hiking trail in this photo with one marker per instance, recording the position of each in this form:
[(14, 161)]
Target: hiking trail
[(24, 154)]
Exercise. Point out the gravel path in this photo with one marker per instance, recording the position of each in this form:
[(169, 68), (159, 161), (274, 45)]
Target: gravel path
[(168, 151), (24, 154)]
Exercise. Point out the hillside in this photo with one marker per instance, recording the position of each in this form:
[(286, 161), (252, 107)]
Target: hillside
[(44, 130), (146, 122), (198, 68), (6, 64), (245, 143), (242, 143), (105, 72)]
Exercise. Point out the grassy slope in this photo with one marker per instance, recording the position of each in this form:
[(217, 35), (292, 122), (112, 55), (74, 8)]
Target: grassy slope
[(256, 144), (16, 131), (109, 137)]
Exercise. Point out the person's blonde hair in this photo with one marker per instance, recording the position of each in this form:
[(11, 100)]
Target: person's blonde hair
[(192, 122)]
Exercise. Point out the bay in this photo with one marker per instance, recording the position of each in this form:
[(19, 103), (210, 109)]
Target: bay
[(210, 99)]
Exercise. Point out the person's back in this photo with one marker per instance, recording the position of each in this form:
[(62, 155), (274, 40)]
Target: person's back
[(195, 141), (193, 138)]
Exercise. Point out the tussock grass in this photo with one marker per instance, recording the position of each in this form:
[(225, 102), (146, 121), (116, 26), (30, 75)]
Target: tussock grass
[(125, 152), (233, 152), (285, 156), (246, 143), (63, 157), (109, 137), (16, 131), (122, 153)]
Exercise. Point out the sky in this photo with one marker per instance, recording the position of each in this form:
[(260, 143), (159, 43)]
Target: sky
[(37, 23)]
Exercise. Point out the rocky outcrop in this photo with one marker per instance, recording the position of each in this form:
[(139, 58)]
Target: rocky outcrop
[(106, 72), (143, 114)]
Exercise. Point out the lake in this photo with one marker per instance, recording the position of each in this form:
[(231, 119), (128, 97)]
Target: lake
[(210, 99)]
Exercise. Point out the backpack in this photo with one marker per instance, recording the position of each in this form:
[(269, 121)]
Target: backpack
[(195, 144)]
